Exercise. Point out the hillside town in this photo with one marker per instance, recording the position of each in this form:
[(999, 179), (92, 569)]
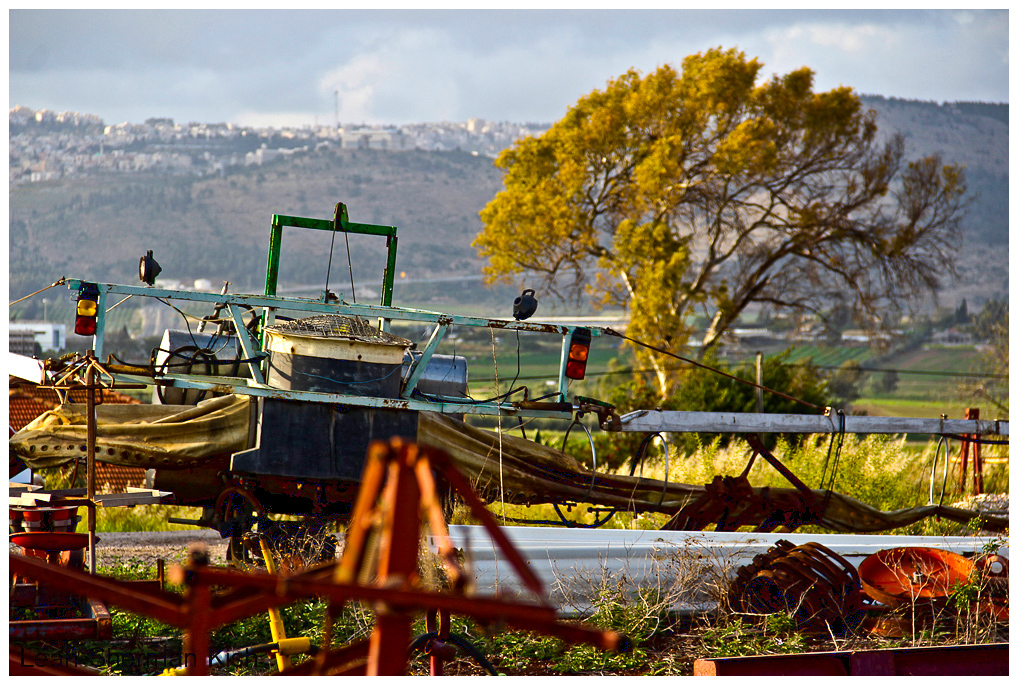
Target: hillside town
[(47, 145)]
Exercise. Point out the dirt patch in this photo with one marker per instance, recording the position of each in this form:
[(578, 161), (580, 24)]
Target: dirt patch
[(146, 547)]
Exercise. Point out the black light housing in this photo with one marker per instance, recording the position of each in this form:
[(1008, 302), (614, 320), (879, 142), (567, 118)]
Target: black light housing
[(86, 310), (525, 305), (148, 268)]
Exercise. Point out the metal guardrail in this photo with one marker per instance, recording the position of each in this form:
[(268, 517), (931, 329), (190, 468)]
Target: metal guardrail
[(652, 421), (572, 563)]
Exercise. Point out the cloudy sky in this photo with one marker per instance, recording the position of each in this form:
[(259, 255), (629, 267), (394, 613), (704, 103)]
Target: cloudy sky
[(285, 68)]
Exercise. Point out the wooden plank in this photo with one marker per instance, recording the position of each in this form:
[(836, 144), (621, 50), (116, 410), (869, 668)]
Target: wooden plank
[(650, 421), (30, 499), (16, 489), (134, 497)]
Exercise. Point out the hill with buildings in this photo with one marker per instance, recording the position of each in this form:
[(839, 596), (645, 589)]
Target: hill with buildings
[(87, 199)]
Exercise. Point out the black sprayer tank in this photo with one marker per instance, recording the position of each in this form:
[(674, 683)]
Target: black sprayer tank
[(327, 354)]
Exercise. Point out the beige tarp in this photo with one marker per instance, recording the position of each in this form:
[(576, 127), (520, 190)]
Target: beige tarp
[(499, 467), (533, 473), (149, 436)]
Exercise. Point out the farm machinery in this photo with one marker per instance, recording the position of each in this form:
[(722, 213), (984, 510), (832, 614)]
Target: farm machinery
[(265, 420), (293, 390)]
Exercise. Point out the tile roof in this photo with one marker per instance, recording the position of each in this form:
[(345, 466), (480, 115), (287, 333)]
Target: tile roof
[(49, 398), (114, 478), (22, 408)]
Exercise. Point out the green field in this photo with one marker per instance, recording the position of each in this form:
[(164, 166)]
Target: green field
[(829, 357), (931, 382), (901, 407)]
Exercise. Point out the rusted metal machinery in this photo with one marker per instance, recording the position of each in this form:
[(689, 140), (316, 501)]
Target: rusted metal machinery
[(397, 491), (962, 660), (731, 502), (895, 592), (47, 614), (900, 576), (810, 582), (321, 386), (319, 390), (923, 588)]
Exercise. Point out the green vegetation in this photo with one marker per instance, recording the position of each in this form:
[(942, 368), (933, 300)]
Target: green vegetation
[(901, 407), (777, 634), (143, 518), (828, 357), (707, 391), (883, 471), (713, 188)]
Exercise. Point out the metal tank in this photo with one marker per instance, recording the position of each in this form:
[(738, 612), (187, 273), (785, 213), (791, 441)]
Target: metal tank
[(327, 354)]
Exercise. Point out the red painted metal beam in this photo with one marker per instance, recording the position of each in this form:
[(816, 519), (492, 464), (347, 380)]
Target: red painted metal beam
[(396, 505), (959, 660), (73, 629), (287, 590), (26, 663), (397, 563), (161, 605), (98, 626)]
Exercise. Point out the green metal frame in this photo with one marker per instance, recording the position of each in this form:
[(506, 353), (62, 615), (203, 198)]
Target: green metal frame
[(385, 311), (339, 223), (256, 385), (252, 348)]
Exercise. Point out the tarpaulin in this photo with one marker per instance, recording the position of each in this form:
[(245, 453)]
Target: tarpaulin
[(498, 465), (148, 436), (520, 471)]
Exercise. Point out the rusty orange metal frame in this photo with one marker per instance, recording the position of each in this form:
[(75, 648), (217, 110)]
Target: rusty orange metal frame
[(958, 660), (397, 491)]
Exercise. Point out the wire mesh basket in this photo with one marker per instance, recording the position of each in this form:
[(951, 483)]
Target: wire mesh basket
[(337, 326)]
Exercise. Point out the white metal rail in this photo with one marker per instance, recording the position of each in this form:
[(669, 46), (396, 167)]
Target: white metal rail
[(574, 565), (651, 421)]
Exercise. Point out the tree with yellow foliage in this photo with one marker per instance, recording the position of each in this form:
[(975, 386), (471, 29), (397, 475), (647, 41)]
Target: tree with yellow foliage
[(705, 190)]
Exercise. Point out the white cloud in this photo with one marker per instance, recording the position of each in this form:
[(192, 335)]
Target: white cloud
[(935, 60), (398, 67), (354, 84), (429, 75)]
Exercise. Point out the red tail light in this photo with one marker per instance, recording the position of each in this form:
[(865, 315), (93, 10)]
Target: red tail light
[(580, 346)]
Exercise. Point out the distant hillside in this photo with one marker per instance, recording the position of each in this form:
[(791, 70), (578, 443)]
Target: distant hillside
[(217, 228), (970, 133)]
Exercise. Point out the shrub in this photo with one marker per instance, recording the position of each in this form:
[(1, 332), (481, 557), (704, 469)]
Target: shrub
[(703, 390)]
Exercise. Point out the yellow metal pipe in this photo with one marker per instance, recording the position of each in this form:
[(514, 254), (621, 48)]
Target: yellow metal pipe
[(279, 632)]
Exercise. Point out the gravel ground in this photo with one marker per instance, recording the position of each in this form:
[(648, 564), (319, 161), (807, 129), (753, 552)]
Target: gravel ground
[(147, 547), (171, 546), (986, 503)]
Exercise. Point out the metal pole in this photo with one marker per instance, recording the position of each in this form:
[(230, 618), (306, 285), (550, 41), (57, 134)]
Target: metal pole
[(397, 561), (760, 382), (90, 457), (978, 463), (276, 626), (651, 421)]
